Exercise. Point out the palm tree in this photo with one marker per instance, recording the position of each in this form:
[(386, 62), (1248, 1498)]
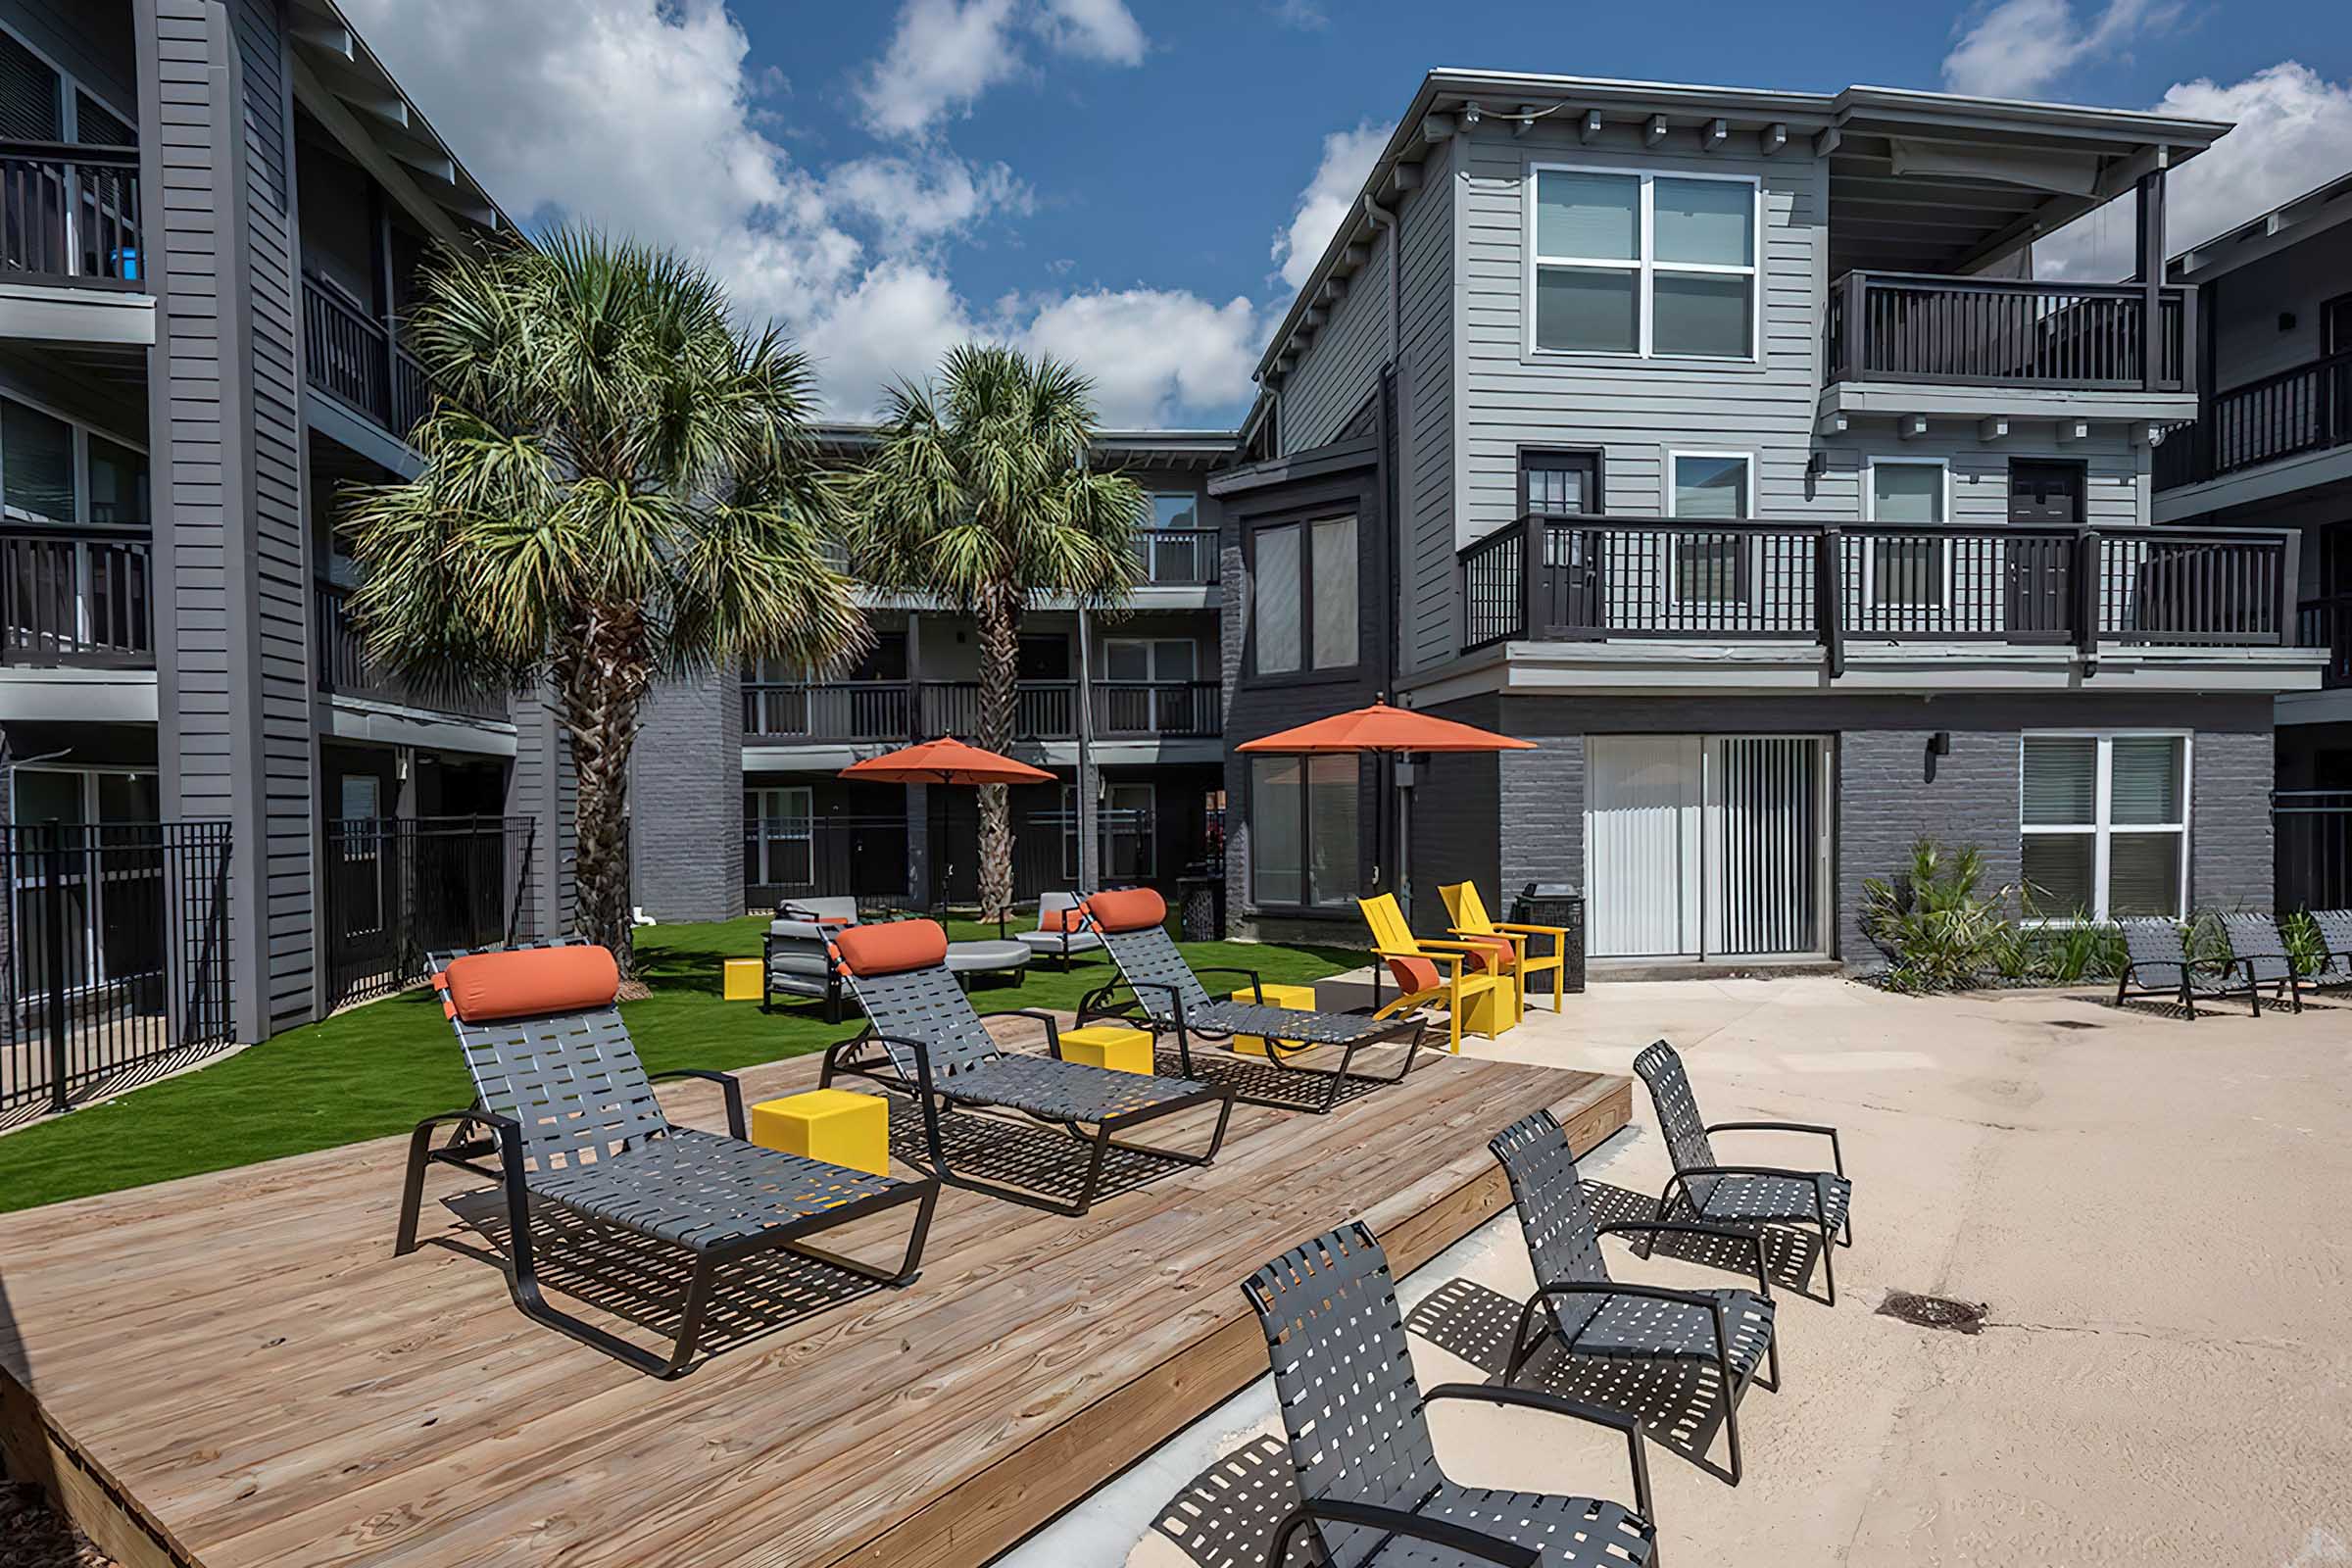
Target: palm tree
[(618, 485), (980, 493)]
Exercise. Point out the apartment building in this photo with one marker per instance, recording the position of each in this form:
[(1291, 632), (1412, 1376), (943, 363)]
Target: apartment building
[(1123, 704), (2270, 448), (1722, 441), (215, 212)]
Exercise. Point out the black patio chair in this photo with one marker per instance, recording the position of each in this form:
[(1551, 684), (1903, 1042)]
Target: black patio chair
[(1369, 1486), (923, 1039), (2157, 964), (1591, 1314), (1166, 996), (1743, 1195), (2335, 946), (571, 1115), (2256, 942)]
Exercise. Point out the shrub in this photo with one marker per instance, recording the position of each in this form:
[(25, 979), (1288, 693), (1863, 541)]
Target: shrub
[(1937, 931)]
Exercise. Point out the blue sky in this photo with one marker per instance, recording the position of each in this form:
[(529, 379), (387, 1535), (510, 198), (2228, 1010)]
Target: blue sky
[(1122, 182)]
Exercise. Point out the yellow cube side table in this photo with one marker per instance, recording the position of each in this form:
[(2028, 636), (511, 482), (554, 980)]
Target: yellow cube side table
[(1283, 996), (1108, 1044), (835, 1125), (741, 980)]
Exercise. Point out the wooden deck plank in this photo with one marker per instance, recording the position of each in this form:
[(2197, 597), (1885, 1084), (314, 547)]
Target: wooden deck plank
[(240, 1357)]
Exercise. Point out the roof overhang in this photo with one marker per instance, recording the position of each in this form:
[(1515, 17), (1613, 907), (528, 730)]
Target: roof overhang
[(340, 81), (2005, 171), (2317, 210), (847, 440)]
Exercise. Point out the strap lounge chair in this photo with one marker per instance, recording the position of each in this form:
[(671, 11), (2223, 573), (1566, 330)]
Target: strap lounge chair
[(571, 1116), (1592, 1314), (1470, 980), (2335, 945), (1472, 923), (2256, 942), (1370, 1489), (923, 1039), (1165, 995), (1743, 1195), (2158, 964)]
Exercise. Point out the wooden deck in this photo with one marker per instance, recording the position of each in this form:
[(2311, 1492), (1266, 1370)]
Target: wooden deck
[(232, 1370)]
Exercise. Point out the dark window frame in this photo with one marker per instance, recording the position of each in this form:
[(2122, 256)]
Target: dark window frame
[(2078, 469), (1304, 518), (1346, 908)]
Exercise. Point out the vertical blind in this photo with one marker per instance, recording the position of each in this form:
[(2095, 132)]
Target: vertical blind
[(1276, 599)]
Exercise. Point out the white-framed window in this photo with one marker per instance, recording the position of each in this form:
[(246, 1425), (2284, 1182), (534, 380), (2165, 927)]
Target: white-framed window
[(1642, 264), (59, 471), (779, 838), (1705, 487), (1908, 571), (2104, 821)]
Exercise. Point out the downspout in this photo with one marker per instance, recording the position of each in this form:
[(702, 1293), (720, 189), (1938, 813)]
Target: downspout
[(1381, 218)]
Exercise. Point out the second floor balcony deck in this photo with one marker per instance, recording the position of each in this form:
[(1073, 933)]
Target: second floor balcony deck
[(1597, 580), (2296, 413), (345, 670), (70, 215), (1904, 327), (892, 711), (73, 598)]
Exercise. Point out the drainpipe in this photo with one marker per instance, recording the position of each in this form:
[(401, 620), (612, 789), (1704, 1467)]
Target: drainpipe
[(1380, 216), (1392, 801)]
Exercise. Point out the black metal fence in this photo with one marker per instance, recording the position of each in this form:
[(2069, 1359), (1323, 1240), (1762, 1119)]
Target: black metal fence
[(2313, 841), (116, 953), (397, 888)]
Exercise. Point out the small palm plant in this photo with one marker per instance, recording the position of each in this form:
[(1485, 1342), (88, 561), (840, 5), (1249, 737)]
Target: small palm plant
[(1937, 931), (618, 486), (980, 493)]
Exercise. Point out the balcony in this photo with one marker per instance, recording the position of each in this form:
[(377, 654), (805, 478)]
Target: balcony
[(2296, 411), (355, 358), (2327, 623), (75, 599), (1905, 327), (838, 713), (1554, 579), (346, 670), (1177, 558), (70, 215)]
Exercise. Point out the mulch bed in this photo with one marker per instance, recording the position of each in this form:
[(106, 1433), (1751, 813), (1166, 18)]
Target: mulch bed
[(33, 1537)]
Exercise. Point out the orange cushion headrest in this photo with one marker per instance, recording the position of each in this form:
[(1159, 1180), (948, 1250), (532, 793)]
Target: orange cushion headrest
[(531, 983), (1415, 975), (892, 947), (1062, 920), (1495, 952), (1127, 910)]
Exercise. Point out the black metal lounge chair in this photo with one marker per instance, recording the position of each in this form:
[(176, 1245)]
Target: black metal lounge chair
[(2256, 942), (2157, 964), (1369, 1486), (572, 1118), (1743, 1195), (1165, 995), (2335, 946), (923, 1039), (1592, 1314)]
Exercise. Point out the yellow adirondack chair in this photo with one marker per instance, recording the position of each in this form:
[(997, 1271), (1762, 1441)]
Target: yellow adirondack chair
[(1453, 975), (1470, 919)]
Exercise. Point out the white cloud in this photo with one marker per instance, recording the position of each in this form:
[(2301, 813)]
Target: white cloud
[(2017, 48), (644, 117), (1301, 16), (2294, 131), (945, 54), (1347, 157)]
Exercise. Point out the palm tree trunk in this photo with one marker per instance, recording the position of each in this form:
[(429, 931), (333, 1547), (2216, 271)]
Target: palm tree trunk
[(600, 691), (1000, 618)]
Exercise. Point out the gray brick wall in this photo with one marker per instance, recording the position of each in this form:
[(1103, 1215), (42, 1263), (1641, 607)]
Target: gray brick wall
[(1890, 797), (2231, 861), (686, 793)]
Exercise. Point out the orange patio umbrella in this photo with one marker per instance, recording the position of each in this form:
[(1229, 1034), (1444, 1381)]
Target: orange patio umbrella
[(1382, 728), (947, 760)]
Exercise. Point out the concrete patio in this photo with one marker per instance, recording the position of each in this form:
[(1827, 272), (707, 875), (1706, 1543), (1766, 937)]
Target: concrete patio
[(2153, 1210)]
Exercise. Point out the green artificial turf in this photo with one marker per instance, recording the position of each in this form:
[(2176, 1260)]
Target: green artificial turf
[(377, 1069)]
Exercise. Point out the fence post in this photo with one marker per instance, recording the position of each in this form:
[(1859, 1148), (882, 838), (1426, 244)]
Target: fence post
[(1829, 595), (2290, 595), (53, 936), (1534, 604), (2086, 598)]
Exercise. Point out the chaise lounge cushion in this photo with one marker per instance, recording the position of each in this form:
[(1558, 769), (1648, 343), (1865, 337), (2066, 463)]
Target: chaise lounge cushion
[(893, 949), (529, 983), (1127, 910)]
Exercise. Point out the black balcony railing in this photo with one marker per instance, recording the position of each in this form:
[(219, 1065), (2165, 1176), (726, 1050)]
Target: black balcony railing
[(349, 355), (346, 670), (1042, 710), (2306, 409), (1901, 326), (1177, 557), (828, 710), (2327, 623), (70, 213), (1592, 578), (1179, 709), (78, 599)]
